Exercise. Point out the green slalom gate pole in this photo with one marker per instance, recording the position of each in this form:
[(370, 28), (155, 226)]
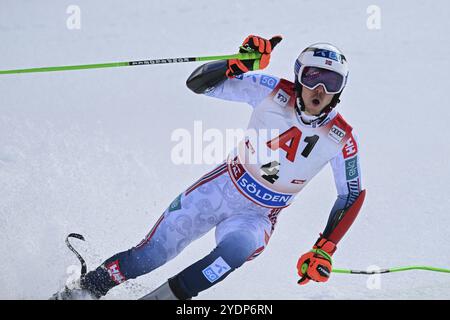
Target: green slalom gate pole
[(391, 270), (240, 56)]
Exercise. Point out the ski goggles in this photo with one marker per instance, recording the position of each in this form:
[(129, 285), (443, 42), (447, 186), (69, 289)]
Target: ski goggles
[(312, 77)]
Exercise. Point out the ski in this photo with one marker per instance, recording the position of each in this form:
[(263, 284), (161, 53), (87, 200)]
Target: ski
[(66, 290), (78, 255)]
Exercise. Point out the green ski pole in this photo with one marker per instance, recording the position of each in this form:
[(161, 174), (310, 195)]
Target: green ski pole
[(391, 270), (240, 56)]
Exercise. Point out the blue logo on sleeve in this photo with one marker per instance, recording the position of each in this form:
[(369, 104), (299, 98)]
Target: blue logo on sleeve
[(216, 270), (268, 82)]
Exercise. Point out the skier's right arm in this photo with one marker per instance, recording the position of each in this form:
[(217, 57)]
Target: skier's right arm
[(225, 80), (208, 76)]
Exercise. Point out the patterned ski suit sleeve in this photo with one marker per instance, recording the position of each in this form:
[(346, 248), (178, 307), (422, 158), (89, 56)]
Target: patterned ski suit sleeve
[(210, 79), (251, 88), (347, 176)]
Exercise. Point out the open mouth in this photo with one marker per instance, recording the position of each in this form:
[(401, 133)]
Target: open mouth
[(316, 102)]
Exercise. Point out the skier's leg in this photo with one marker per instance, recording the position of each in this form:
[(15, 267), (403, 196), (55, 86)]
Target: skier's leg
[(239, 238), (189, 216)]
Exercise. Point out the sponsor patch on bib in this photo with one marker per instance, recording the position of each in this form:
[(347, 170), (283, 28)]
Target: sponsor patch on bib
[(282, 98), (336, 134)]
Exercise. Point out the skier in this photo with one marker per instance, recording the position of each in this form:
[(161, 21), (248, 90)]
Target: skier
[(242, 198)]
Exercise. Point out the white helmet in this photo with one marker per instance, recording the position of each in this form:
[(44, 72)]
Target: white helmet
[(321, 64)]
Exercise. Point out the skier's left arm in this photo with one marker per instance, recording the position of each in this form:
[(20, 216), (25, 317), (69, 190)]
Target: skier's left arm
[(317, 264)]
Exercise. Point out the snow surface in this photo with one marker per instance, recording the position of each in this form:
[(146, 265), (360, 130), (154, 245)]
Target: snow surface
[(89, 151)]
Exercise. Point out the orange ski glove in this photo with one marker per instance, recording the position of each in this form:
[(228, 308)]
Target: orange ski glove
[(317, 264), (252, 44)]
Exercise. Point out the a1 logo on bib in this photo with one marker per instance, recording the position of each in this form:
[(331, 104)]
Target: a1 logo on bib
[(282, 98), (336, 134)]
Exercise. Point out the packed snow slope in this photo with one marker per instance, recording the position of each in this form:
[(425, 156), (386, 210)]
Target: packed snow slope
[(90, 151)]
